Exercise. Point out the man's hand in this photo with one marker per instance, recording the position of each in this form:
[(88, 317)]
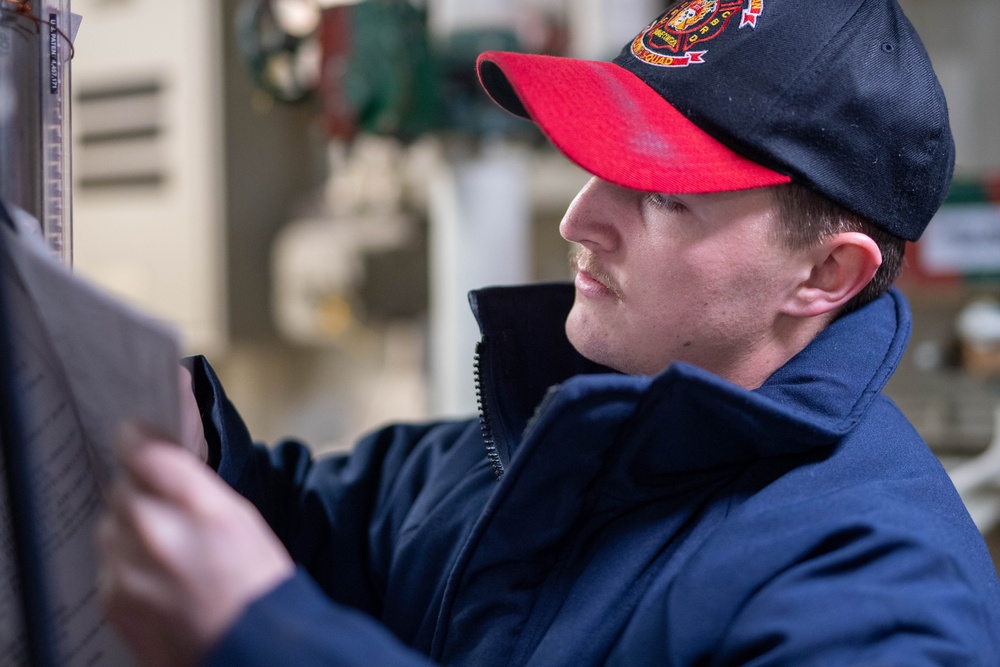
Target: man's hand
[(182, 553)]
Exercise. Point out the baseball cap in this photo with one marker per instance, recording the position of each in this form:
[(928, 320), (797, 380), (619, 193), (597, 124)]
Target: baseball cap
[(718, 95)]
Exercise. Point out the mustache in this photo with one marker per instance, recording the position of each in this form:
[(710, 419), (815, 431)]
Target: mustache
[(581, 259)]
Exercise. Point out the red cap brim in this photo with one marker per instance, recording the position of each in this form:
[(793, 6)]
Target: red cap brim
[(610, 123)]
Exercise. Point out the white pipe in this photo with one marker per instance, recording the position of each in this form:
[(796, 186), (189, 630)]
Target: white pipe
[(479, 236), (975, 481)]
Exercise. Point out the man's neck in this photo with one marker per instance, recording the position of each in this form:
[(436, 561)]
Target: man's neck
[(759, 361)]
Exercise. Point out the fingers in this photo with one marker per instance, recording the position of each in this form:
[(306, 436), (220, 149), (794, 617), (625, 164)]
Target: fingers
[(160, 491), (142, 528), (158, 467), (182, 553), (147, 543), (131, 592), (122, 578)]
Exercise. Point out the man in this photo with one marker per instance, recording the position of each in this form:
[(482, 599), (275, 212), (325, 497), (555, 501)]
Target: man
[(688, 458)]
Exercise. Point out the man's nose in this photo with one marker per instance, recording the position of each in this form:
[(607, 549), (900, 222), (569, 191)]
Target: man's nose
[(591, 219)]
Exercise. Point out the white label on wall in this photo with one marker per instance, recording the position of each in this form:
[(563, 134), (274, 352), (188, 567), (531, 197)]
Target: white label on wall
[(962, 238)]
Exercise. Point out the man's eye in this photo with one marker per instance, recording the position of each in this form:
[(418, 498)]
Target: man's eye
[(664, 202)]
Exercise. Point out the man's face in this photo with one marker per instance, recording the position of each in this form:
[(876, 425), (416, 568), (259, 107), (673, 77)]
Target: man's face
[(662, 278)]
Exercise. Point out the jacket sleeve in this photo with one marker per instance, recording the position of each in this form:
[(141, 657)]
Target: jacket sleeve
[(792, 586), (338, 516), (294, 624), (864, 596)]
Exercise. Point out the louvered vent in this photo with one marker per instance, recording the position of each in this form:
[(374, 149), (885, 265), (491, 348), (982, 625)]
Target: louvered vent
[(121, 136)]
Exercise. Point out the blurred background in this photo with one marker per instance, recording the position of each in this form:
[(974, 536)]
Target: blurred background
[(308, 189)]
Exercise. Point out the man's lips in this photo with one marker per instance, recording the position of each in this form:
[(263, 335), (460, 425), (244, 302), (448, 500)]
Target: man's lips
[(588, 285), (590, 277)]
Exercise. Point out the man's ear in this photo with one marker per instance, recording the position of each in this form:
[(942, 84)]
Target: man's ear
[(841, 266)]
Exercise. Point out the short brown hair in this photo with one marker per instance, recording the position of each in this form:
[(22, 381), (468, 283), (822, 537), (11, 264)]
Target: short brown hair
[(807, 217)]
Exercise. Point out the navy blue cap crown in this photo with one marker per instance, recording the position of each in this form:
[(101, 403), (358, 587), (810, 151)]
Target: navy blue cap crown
[(840, 95)]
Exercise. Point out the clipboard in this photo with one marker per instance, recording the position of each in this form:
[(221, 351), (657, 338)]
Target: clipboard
[(22, 498), (76, 364)]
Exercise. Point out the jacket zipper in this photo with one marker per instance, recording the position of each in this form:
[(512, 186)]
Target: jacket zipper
[(485, 425)]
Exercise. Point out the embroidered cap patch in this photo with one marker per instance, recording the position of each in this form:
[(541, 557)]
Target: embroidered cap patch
[(676, 38)]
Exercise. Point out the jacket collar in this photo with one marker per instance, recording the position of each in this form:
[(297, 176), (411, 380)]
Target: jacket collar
[(812, 401)]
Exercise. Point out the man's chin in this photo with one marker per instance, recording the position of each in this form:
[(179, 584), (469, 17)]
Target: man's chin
[(590, 339)]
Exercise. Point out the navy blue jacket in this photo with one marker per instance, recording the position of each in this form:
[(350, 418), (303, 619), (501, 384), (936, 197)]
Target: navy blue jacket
[(620, 520)]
